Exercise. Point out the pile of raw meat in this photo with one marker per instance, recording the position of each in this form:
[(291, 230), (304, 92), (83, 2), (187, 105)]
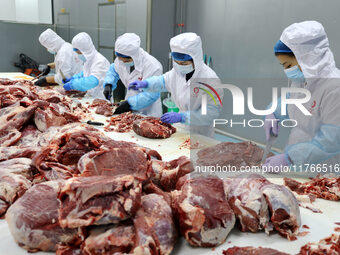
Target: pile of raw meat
[(149, 127), (122, 123), (231, 154), (321, 187), (103, 107)]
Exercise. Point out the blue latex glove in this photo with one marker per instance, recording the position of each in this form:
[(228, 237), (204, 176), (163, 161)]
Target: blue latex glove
[(67, 80), (171, 117), (68, 86), (277, 160), (271, 125), (136, 85)]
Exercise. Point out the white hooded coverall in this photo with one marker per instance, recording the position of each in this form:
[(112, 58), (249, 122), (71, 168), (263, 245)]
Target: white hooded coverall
[(316, 138), (95, 65), (66, 61), (182, 91), (145, 66)]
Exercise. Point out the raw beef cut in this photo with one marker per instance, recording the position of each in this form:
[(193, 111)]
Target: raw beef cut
[(259, 204), (155, 228), (98, 200), (322, 187), (30, 136), (21, 166), (248, 203), (252, 251), (231, 154), (63, 152), (205, 218), (9, 137), (116, 161), (18, 152), (9, 95), (166, 174), (12, 186), (326, 246), (15, 116), (151, 127), (33, 219), (122, 123), (103, 107), (109, 239)]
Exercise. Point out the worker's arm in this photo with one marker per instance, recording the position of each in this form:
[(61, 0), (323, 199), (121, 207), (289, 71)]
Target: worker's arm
[(324, 145), (112, 77), (50, 79), (326, 142), (142, 100), (278, 111), (82, 84), (51, 65), (155, 84)]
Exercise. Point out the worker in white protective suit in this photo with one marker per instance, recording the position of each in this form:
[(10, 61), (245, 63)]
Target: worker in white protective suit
[(304, 52), (95, 68), (182, 82), (133, 63), (66, 63)]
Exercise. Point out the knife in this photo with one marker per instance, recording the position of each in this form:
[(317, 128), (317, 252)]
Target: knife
[(94, 123), (269, 146)]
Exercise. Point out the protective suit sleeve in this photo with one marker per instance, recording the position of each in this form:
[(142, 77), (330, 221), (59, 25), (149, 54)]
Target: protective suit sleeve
[(143, 100), (326, 142), (324, 145), (112, 77), (156, 84), (85, 83), (196, 118), (78, 75), (64, 67)]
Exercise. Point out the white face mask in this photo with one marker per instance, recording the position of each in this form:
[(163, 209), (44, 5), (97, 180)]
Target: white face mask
[(52, 52), (129, 64), (183, 69)]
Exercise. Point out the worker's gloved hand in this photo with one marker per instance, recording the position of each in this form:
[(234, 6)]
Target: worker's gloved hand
[(68, 86), (123, 106), (136, 85), (67, 80), (277, 160), (46, 70), (41, 81), (271, 126), (108, 91), (171, 117)]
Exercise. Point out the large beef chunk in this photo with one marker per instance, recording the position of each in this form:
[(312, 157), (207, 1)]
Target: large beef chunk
[(151, 127), (33, 219), (205, 217), (98, 200)]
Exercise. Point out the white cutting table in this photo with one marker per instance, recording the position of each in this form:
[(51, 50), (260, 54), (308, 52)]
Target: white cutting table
[(321, 225)]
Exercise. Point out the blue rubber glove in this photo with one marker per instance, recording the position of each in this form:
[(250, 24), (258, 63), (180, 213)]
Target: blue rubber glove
[(271, 125), (67, 80), (68, 86), (136, 85), (171, 117), (277, 160)]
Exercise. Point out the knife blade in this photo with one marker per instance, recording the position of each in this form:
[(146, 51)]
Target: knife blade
[(269, 146)]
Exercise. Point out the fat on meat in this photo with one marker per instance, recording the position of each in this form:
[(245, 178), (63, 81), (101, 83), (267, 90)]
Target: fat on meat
[(205, 217), (259, 204), (33, 220)]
